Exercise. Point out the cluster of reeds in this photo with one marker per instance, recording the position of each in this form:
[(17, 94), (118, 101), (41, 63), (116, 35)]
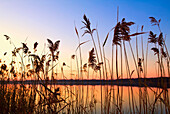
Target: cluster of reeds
[(159, 48), (18, 98), (31, 64), (98, 61), (121, 36), (34, 99), (37, 67)]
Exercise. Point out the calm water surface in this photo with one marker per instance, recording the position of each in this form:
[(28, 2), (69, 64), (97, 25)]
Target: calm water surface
[(107, 99)]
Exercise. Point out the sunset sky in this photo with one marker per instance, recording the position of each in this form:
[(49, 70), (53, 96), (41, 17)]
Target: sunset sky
[(37, 20)]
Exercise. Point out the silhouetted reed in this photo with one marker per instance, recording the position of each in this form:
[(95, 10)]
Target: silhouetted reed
[(75, 99)]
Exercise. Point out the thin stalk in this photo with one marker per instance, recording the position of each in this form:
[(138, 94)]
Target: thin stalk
[(22, 66), (112, 61), (100, 53), (146, 61), (81, 74), (163, 69), (77, 66), (159, 62), (52, 68), (117, 62), (144, 70), (88, 72), (105, 62), (167, 57), (71, 68), (134, 59), (109, 66), (121, 61), (116, 45), (126, 60), (137, 49), (44, 54)]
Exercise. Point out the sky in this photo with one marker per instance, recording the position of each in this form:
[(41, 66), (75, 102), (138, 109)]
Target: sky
[(34, 21)]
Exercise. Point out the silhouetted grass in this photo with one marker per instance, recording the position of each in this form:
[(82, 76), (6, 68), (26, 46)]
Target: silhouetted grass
[(40, 97)]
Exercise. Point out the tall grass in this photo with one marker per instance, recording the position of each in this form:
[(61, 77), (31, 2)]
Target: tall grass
[(42, 99)]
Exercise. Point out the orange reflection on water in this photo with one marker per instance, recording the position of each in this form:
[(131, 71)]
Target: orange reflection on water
[(98, 98)]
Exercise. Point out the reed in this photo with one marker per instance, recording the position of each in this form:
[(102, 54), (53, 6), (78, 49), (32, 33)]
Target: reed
[(44, 98), (81, 74), (90, 31)]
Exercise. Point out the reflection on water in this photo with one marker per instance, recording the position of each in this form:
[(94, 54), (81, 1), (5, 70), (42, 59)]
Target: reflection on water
[(90, 99)]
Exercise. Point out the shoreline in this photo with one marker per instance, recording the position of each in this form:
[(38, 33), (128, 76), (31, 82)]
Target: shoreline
[(138, 82)]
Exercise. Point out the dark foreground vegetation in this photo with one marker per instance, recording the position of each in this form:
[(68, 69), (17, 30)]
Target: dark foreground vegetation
[(53, 99), (42, 93)]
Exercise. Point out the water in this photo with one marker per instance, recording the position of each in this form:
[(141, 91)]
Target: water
[(113, 99), (94, 99)]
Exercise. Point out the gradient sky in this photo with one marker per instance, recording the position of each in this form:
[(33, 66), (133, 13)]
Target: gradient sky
[(37, 20)]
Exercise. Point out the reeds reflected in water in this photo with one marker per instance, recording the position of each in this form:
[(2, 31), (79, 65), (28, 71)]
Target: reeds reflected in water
[(83, 99), (43, 97)]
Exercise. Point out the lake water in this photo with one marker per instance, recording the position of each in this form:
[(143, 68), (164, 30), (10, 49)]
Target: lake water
[(90, 99)]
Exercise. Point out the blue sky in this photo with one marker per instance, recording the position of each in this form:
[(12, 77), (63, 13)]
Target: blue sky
[(54, 19)]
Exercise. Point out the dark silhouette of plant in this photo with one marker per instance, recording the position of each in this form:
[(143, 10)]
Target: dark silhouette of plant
[(164, 54), (25, 48), (85, 67), (72, 57), (79, 47), (87, 24), (116, 41), (92, 58), (122, 32), (3, 66), (125, 30), (155, 22), (64, 64), (161, 43), (140, 64), (160, 39), (104, 56), (156, 50), (92, 61), (7, 37), (53, 48), (35, 46), (90, 31), (126, 37), (152, 38), (5, 53), (156, 40), (117, 35), (38, 63)]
